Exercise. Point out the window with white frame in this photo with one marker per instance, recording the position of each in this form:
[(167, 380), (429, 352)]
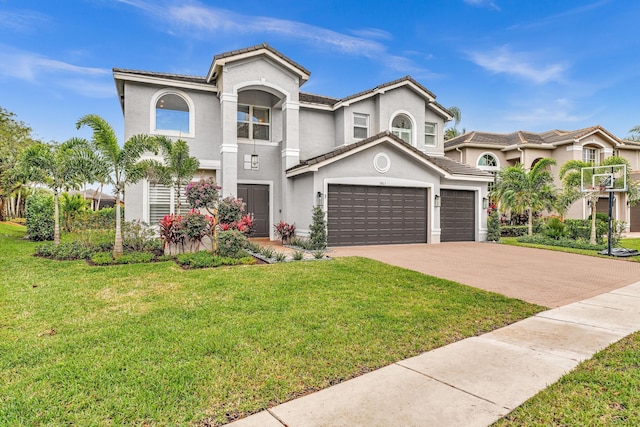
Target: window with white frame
[(401, 127), (360, 126), (254, 122), (591, 155), (430, 133), (172, 114), (487, 162), (162, 201)]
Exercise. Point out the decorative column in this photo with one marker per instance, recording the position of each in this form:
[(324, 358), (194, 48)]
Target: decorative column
[(229, 148), (290, 152)]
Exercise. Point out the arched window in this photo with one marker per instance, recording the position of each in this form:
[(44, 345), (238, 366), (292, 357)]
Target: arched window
[(401, 126), (172, 113), (488, 162)]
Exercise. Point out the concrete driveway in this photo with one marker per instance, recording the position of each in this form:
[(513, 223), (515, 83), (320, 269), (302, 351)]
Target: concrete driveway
[(543, 277)]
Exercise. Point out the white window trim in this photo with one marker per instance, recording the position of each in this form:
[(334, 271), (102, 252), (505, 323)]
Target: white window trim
[(434, 134), (488, 168), (366, 117), (597, 154), (152, 114), (250, 138), (414, 139)]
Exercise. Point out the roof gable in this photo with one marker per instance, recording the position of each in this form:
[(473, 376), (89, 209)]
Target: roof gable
[(220, 60), (444, 166)]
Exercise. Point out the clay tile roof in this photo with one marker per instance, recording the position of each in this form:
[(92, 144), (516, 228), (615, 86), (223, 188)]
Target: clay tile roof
[(317, 99), (259, 47), (180, 77), (448, 165)]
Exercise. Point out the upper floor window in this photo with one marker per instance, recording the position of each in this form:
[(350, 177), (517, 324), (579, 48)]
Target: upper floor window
[(402, 128), (591, 155), (430, 133), (360, 126), (488, 161), (172, 114), (254, 122)]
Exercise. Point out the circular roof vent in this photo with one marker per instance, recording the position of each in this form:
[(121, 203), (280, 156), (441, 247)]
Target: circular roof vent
[(382, 162)]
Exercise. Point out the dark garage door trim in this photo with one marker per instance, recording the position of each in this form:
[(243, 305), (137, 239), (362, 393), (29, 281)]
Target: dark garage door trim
[(457, 215), (376, 215)]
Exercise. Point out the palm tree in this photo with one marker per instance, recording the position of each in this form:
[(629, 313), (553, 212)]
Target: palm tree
[(124, 163), (635, 134), (57, 167), (178, 167), (571, 176), (453, 131), (520, 191)]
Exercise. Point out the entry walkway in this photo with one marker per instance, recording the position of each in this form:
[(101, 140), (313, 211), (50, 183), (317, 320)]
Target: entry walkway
[(472, 382)]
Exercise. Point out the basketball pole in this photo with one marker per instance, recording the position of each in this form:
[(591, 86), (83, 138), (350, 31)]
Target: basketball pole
[(610, 223)]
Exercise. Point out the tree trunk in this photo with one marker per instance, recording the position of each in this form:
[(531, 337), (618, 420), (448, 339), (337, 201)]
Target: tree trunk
[(18, 201), (117, 245), (593, 239), (177, 196), (56, 218), (530, 222), (2, 209), (97, 208)]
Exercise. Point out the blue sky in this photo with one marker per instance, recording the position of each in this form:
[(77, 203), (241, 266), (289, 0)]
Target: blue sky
[(507, 64)]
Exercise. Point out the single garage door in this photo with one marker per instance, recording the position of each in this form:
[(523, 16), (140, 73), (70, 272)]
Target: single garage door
[(457, 216), (369, 215)]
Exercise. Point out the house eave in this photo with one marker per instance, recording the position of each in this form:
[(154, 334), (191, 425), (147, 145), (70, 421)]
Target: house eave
[(122, 76)]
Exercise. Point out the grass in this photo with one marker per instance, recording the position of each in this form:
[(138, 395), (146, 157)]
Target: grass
[(153, 344), (629, 243), (602, 391)]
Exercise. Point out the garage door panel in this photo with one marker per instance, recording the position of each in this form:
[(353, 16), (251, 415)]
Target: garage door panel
[(366, 215), (457, 215)]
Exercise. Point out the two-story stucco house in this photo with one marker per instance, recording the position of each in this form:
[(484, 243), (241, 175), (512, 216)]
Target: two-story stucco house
[(374, 160), (493, 151)]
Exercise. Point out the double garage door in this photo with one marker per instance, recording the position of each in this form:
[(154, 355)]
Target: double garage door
[(369, 215)]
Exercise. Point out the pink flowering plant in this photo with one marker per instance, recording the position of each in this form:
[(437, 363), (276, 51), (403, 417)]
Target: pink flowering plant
[(285, 231), (203, 194)]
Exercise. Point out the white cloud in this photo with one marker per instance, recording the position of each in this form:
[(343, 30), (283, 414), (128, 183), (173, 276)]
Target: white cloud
[(35, 68), (520, 64), (547, 114), (23, 21), (202, 21), (489, 4)]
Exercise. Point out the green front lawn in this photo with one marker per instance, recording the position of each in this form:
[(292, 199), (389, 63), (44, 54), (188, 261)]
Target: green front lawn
[(155, 344), (602, 391)]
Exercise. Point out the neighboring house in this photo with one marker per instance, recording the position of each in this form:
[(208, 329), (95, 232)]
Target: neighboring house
[(374, 160), (492, 151), (97, 200)]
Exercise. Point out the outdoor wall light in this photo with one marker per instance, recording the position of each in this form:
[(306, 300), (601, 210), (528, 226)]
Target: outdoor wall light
[(485, 203), (436, 201), (254, 161), (319, 197)]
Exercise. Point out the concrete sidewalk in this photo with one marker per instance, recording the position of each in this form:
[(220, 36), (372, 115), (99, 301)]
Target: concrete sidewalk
[(472, 382)]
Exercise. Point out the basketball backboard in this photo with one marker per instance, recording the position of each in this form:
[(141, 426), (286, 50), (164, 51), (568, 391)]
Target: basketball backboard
[(603, 179)]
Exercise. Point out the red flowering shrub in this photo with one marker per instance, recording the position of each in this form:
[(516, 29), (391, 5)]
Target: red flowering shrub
[(285, 231)]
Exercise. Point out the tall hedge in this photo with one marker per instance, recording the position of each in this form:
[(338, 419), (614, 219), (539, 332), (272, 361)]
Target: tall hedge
[(39, 219)]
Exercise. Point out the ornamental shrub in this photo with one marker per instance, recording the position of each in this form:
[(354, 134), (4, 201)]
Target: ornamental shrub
[(231, 243), (102, 258), (318, 228), (555, 228), (40, 217), (195, 227), (285, 231), (203, 194), (230, 210), (493, 226)]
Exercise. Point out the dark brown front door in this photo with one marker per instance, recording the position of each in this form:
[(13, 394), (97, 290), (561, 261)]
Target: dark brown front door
[(457, 216), (256, 196), (369, 215)]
